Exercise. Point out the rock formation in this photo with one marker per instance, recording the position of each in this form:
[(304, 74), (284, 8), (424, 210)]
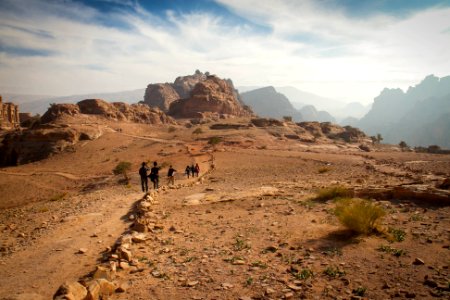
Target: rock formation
[(163, 94), (310, 113), (9, 115), (212, 96), (116, 111)]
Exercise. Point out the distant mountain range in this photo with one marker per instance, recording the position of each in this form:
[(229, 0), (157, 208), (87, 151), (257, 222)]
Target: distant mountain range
[(420, 117), (267, 102), (38, 104)]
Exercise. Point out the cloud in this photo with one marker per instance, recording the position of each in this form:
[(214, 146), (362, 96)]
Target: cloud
[(317, 48)]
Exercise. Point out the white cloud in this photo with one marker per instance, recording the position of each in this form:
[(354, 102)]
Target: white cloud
[(315, 49)]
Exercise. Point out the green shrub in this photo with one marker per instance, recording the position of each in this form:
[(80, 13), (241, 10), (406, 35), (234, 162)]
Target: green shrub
[(122, 168), (398, 235), (333, 272), (393, 251), (359, 215), (359, 291), (333, 193), (214, 140), (303, 274), (197, 131)]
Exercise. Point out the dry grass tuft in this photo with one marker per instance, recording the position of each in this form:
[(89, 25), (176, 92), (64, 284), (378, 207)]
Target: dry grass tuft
[(333, 192), (359, 215)]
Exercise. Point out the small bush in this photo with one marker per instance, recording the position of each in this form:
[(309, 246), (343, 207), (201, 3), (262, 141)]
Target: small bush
[(393, 251), (359, 291), (171, 129), (359, 215), (214, 140), (303, 274), (398, 235), (122, 168), (333, 272), (58, 197), (197, 131), (333, 193)]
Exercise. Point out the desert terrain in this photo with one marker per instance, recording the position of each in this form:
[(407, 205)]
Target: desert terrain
[(248, 227)]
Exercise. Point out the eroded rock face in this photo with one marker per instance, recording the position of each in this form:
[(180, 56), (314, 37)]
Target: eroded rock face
[(9, 115), (117, 111), (213, 95), (29, 145), (160, 95)]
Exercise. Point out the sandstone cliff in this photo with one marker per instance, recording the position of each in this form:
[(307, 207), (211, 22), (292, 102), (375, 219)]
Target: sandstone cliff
[(9, 115), (210, 96)]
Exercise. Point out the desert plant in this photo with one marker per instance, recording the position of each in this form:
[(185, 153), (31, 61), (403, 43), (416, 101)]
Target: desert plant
[(287, 118), (303, 274), (403, 145), (214, 140), (379, 138), (171, 129), (333, 192), (398, 235), (122, 168), (333, 272), (359, 215), (359, 291), (393, 251), (197, 131)]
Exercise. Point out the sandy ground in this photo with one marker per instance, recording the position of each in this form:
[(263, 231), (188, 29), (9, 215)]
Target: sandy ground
[(247, 230)]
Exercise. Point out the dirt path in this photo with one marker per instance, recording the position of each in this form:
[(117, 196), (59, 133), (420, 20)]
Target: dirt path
[(62, 174), (54, 258)]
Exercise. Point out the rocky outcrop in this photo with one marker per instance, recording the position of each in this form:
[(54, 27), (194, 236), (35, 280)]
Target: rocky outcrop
[(211, 96), (161, 95), (116, 111), (29, 145), (9, 115)]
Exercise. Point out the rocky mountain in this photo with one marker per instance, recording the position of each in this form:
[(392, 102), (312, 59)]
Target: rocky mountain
[(310, 113), (267, 102), (38, 104), (416, 116), (210, 97)]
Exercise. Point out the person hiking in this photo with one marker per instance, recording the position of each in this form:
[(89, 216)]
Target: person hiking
[(144, 179), (171, 175), (192, 170), (187, 171), (197, 169), (154, 175)]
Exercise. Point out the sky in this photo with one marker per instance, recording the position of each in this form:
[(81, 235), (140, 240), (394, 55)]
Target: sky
[(347, 50)]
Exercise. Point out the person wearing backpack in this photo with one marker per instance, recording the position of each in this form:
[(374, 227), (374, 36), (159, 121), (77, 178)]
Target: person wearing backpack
[(171, 175), (197, 169), (154, 175), (144, 179)]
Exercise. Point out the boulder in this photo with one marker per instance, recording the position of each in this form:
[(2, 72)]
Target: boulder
[(57, 110), (72, 291)]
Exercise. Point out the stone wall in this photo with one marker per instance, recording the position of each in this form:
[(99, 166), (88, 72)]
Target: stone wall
[(9, 115)]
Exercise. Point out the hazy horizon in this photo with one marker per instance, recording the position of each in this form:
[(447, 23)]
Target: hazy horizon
[(343, 50)]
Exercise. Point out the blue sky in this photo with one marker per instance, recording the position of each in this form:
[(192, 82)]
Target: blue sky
[(347, 50)]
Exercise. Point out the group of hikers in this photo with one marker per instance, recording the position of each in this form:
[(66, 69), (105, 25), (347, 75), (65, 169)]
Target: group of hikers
[(154, 174)]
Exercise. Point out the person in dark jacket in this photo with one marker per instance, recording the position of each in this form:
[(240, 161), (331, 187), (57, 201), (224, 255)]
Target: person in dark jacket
[(154, 175), (144, 178), (171, 175), (197, 169), (187, 171)]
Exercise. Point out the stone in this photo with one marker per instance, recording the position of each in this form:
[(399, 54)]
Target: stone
[(124, 253), (139, 237), (100, 289), (227, 285), (238, 262), (71, 290), (82, 250), (418, 261), (124, 265), (288, 295), (103, 272), (9, 115), (192, 283)]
